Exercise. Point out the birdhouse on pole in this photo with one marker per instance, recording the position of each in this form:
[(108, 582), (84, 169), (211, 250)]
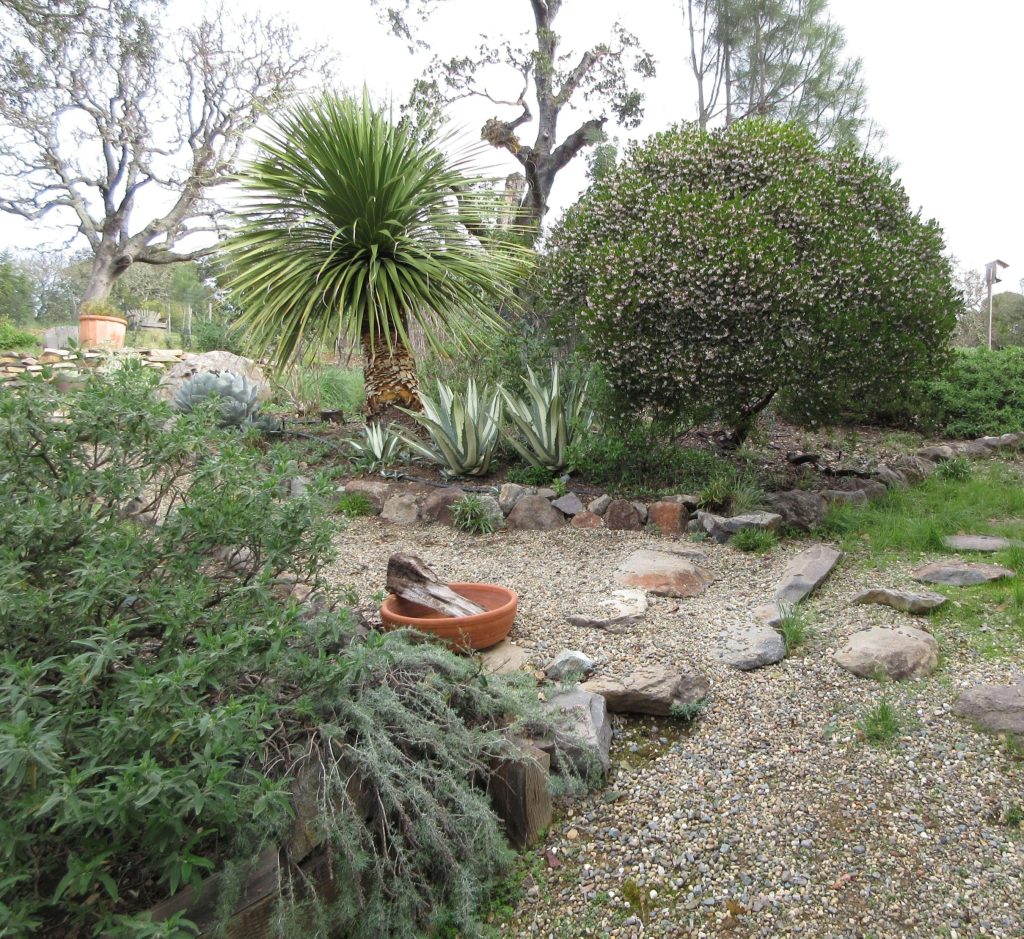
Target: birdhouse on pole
[(992, 277)]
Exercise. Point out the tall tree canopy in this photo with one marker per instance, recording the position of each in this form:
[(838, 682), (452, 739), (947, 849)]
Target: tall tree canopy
[(781, 59), (105, 109), (539, 75)]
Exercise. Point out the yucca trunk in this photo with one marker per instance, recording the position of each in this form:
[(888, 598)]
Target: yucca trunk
[(390, 377)]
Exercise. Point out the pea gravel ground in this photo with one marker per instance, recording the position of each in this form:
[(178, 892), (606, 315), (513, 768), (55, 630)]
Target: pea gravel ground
[(769, 815)]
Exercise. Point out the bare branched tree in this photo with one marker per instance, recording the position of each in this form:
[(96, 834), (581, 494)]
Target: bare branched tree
[(101, 107)]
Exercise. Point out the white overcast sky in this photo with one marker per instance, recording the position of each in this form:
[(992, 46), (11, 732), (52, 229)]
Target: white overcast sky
[(944, 80)]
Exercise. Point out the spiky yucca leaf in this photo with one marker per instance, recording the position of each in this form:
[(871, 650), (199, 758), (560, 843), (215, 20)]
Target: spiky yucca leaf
[(380, 447), (546, 422), (463, 428)]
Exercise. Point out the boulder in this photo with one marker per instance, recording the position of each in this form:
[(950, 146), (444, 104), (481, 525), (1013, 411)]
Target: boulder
[(721, 529), (195, 362), (587, 520), (844, 496), (509, 495), (437, 506), (1011, 441), (547, 492), (641, 512), (906, 601), (892, 479), (960, 573), (899, 653), (986, 543), (799, 509), (519, 794), (937, 454), (505, 658), (569, 504), (976, 448), (872, 488), (535, 513), (623, 608), (377, 492), (585, 736), (599, 505), (569, 663), (663, 572), (621, 516), (997, 709), (650, 689), (402, 509), (669, 517), (750, 647), (916, 469), (805, 573)]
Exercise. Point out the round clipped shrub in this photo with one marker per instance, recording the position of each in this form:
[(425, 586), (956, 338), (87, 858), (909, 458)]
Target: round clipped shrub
[(712, 272)]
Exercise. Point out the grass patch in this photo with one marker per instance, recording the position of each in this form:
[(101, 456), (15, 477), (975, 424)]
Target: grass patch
[(754, 540), (795, 627), (882, 724), (472, 514), (354, 504)]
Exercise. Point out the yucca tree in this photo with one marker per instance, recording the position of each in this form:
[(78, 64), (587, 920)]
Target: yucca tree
[(352, 229)]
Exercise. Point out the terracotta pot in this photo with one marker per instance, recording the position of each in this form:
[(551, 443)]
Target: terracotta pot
[(460, 632), (101, 332)]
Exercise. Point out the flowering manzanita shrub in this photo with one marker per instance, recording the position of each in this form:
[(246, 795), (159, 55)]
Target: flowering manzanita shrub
[(713, 271)]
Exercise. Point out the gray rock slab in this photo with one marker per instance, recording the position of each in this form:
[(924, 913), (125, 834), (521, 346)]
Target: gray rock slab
[(892, 479), (666, 573), (844, 496), (960, 573), (650, 689), (937, 454), (805, 573), (402, 509), (568, 663), (916, 469), (599, 505), (505, 658), (906, 601), (624, 607), (569, 504), (799, 509), (586, 732), (535, 513), (998, 709), (898, 653), (750, 647), (509, 495), (980, 543), (721, 529)]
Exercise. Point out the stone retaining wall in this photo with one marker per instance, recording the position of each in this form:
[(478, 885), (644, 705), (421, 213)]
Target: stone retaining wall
[(51, 363)]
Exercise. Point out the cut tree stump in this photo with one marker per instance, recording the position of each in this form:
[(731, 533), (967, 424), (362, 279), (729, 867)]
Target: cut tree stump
[(412, 580)]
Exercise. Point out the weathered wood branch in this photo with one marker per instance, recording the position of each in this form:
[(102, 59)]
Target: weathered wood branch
[(412, 580)]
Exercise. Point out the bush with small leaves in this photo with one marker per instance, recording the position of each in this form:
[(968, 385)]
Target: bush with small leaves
[(711, 272)]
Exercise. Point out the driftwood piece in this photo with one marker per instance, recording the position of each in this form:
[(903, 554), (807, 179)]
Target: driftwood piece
[(412, 580)]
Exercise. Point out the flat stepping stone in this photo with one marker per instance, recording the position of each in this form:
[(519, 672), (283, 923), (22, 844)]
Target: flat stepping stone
[(624, 607), (892, 653), (505, 658), (805, 573), (998, 709), (665, 573), (980, 542), (721, 529), (906, 601), (650, 689), (960, 573), (750, 647)]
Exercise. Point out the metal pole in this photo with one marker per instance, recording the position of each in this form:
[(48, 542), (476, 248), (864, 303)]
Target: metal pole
[(989, 314)]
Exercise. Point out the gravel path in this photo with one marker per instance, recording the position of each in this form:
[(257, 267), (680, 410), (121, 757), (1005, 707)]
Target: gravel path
[(769, 816)]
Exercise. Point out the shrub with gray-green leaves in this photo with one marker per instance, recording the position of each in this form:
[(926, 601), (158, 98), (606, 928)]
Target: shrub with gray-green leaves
[(712, 272)]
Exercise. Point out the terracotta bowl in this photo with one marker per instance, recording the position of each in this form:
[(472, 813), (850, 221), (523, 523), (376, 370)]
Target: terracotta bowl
[(460, 632)]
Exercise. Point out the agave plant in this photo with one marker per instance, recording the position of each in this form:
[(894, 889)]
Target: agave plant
[(380, 447), (237, 397), (463, 429), (546, 422)]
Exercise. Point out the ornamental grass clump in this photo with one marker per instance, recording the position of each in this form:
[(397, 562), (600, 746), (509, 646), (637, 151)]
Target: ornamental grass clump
[(710, 273), (167, 708)]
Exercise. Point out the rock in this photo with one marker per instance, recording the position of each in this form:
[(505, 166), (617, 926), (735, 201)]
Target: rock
[(587, 520), (377, 492), (998, 709), (721, 529), (846, 496), (872, 488), (892, 479), (505, 658), (976, 448), (750, 647), (1011, 441), (669, 517), (801, 510), (769, 614), (569, 504), (546, 492), (906, 601), (535, 513), (621, 516), (520, 796), (402, 509), (509, 495), (625, 608), (195, 362), (650, 689), (569, 663), (937, 454), (980, 543), (641, 511), (916, 469), (586, 734), (599, 505), (298, 487), (904, 652), (437, 506), (663, 572), (805, 573), (960, 573), (684, 498)]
